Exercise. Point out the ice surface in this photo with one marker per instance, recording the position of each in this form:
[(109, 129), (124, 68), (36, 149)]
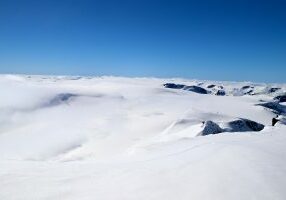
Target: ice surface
[(113, 138)]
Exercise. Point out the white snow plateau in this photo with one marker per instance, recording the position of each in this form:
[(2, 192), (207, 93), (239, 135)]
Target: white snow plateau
[(118, 138)]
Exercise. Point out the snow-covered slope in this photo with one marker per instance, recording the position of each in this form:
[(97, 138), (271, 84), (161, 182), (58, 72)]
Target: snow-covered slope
[(140, 138)]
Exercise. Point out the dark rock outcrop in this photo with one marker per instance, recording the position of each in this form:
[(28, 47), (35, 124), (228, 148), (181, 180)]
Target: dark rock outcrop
[(192, 88), (174, 86), (273, 89), (220, 93), (61, 98), (210, 128), (211, 86), (196, 89), (247, 90), (281, 98), (275, 107), (242, 125), (246, 87), (238, 125)]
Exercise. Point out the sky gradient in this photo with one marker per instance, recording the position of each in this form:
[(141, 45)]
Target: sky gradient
[(243, 40)]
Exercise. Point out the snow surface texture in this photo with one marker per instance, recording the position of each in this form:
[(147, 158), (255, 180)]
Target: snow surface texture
[(110, 138)]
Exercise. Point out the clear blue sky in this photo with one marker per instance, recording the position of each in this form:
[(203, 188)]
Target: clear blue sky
[(204, 39)]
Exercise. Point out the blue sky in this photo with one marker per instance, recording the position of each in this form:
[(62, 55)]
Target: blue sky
[(206, 39)]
